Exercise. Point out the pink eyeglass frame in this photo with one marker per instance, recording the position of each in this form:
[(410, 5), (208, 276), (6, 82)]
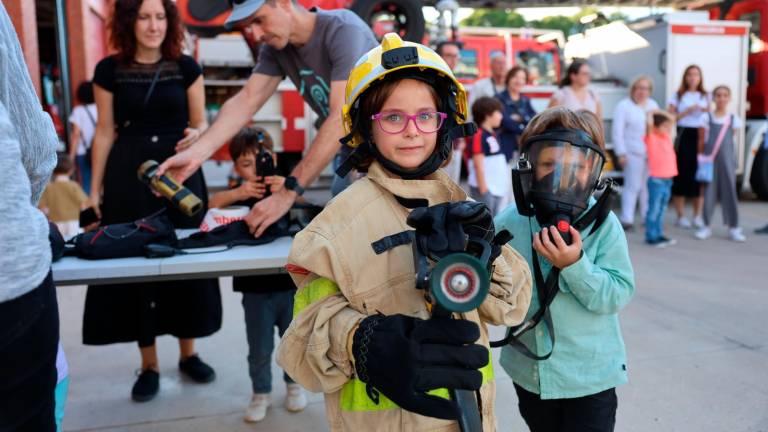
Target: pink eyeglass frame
[(409, 118)]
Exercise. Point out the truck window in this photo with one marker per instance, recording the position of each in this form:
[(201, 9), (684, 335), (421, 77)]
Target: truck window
[(540, 65), (467, 67), (756, 45)]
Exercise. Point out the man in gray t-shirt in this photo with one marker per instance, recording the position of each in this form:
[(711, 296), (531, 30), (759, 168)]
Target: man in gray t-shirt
[(316, 49)]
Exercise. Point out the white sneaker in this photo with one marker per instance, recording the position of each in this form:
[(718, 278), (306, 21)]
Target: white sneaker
[(257, 409), (295, 398), (698, 222), (703, 233), (684, 222), (737, 235)]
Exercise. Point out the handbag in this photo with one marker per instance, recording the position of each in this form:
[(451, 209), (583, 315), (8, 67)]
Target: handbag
[(125, 239), (705, 171)]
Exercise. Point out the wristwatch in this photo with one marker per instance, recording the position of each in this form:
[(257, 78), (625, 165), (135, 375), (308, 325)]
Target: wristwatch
[(293, 185)]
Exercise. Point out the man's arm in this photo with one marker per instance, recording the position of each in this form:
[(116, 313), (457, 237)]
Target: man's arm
[(234, 114), (324, 147), (326, 144)]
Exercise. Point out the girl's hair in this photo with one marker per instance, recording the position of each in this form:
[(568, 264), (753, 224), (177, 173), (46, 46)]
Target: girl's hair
[(514, 71), (573, 69), (371, 103), (561, 117), (123, 38), (249, 139), (684, 86), (721, 87), (484, 107), (64, 164), (637, 82), (85, 93)]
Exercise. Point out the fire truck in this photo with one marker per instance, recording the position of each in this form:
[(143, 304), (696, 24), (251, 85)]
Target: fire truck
[(663, 46)]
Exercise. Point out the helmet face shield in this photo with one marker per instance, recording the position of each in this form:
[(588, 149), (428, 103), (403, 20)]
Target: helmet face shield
[(564, 171)]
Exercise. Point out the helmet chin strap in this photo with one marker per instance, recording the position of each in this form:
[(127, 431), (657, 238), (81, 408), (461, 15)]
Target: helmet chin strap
[(432, 164)]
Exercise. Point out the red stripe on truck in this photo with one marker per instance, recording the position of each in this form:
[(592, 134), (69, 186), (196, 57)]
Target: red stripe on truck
[(703, 29)]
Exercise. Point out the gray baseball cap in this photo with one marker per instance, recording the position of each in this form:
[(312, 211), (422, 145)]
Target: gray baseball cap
[(241, 10)]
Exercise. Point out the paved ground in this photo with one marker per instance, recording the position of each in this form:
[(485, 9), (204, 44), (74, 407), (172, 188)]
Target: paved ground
[(696, 333)]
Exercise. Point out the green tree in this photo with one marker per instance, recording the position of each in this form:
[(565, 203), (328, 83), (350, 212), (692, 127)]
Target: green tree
[(494, 18), (510, 18)]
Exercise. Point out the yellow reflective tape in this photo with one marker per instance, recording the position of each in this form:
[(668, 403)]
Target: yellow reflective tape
[(355, 398), (312, 292)]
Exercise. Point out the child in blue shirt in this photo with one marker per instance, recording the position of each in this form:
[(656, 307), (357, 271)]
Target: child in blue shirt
[(573, 389)]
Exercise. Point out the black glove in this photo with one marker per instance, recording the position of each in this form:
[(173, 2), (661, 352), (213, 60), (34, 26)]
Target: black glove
[(453, 227), (404, 357), (57, 242)]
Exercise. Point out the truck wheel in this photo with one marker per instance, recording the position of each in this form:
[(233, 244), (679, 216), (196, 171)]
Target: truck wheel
[(403, 17), (759, 177)]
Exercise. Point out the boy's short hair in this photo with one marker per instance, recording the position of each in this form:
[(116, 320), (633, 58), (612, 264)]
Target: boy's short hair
[(85, 93), (249, 139), (660, 119), (64, 164), (484, 107)]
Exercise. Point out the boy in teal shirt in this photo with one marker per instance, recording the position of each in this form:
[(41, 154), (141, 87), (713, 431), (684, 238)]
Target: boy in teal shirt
[(573, 389)]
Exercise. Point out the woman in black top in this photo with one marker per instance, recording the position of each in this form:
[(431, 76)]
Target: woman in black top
[(150, 101), (517, 111)]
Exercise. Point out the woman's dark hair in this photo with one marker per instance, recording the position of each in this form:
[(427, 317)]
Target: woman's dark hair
[(85, 93), (123, 38), (484, 107), (250, 139), (573, 69), (684, 87), (514, 71)]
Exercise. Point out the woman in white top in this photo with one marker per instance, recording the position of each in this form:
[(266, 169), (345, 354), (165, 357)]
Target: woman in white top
[(688, 104), (83, 121), (574, 92), (629, 122)]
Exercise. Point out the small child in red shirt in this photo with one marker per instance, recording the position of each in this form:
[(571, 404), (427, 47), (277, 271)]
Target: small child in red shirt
[(662, 167)]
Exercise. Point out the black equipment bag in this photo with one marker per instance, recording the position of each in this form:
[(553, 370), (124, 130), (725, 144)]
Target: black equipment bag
[(125, 239)]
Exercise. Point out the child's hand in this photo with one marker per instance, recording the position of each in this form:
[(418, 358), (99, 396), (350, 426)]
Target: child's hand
[(558, 253), (252, 189), (275, 183)]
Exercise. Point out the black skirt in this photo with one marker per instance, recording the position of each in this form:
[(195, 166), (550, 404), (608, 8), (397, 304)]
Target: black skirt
[(685, 184), (141, 311)]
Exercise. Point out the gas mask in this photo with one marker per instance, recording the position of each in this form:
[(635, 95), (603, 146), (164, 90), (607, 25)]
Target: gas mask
[(557, 173)]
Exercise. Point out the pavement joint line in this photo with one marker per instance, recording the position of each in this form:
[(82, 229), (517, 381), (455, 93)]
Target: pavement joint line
[(736, 347), (698, 323)]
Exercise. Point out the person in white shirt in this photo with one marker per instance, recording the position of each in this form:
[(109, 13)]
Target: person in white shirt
[(688, 104), (83, 121), (629, 123), (451, 53), (494, 84)]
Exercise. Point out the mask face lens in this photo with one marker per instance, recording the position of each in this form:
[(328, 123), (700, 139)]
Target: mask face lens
[(563, 169)]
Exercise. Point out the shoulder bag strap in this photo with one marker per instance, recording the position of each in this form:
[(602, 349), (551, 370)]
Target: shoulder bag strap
[(723, 129)]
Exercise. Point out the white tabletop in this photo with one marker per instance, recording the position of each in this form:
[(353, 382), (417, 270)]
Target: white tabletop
[(269, 258)]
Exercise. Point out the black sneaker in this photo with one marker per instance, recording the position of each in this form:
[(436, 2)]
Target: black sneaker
[(146, 386), (763, 230), (196, 369)]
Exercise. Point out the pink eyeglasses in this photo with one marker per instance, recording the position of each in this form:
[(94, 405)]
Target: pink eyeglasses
[(395, 122)]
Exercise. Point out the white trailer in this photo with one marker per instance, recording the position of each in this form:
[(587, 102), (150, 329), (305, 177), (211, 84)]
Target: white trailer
[(662, 47)]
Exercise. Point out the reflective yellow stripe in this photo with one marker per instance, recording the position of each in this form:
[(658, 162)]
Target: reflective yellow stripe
[(355, 398), (312, 292)]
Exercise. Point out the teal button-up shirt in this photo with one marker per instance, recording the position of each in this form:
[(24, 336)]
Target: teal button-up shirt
[(589, 354)]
